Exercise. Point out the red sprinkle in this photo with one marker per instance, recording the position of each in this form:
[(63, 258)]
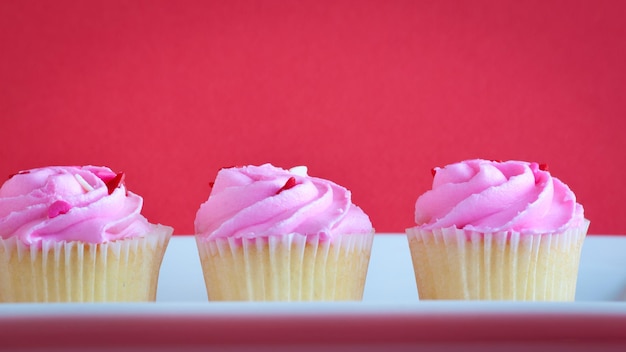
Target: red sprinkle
[(57, 208), (211, 184), (115, 182), (106, 177), (433, 171), (543, 167), (291, 182), (496, 160)]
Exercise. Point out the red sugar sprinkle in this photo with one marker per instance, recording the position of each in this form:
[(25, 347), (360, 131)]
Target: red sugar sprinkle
[(57, 208), (543, 167), (433, 171), (115, 182), (291, 182), (106, 177), (211, 184)]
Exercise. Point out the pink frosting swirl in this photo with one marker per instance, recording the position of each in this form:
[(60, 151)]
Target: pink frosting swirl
[(490, 196), (73, 203), (255, 201)]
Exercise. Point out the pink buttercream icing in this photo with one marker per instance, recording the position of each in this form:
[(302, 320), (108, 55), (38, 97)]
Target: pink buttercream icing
[(255, 201), (490, 196), (69, 204)]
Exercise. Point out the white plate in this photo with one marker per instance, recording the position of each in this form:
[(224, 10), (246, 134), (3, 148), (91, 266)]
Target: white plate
[(390, 317)]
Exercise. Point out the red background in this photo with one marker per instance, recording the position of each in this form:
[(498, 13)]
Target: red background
[(370, 94)]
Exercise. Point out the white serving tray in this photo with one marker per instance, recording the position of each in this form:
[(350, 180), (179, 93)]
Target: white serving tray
[(390, 316)]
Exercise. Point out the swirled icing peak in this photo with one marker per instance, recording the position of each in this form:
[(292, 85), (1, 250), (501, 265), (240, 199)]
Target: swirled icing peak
[(69, 203), (255, 201), (491, 196)]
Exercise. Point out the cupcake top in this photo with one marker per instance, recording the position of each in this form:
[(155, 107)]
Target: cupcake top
[(262, 201), (492, 196), (69, 203)]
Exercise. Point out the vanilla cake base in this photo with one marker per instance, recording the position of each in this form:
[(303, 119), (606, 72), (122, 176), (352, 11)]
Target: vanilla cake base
[(285, 268), (455, 264)]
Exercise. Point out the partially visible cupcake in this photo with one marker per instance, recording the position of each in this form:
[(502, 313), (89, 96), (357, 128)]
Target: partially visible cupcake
[(269, 234), (75, 234), (492, 230)]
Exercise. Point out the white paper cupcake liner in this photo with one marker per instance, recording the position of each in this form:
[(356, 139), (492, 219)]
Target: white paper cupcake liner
[(118, 271), (291, 267), (466, 265)]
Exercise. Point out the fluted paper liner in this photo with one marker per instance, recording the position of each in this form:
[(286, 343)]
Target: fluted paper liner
[(465, 265), (291, 267), (118, 271)]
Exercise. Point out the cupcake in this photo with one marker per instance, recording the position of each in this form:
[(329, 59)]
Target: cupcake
[(75, 234), (268, 234), (490, 230)]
